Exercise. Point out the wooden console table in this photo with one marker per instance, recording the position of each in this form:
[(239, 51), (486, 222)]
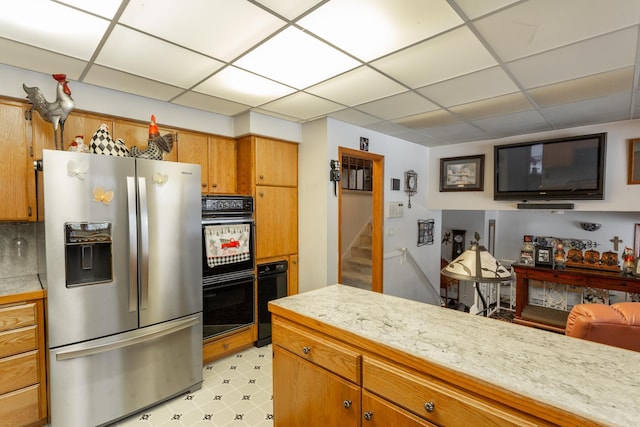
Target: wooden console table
[(556, 320)]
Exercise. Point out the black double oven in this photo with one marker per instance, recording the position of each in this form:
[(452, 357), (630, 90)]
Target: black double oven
[(228, 260)]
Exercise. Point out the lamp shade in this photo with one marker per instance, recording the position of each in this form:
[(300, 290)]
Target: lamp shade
[(476, 264)]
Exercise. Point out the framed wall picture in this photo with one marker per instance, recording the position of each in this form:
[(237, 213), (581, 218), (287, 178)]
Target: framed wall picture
[(544, 256), (462, 173), (633, 173)]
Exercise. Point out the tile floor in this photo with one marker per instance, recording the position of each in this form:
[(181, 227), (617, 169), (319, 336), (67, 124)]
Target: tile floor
[(237, 391)]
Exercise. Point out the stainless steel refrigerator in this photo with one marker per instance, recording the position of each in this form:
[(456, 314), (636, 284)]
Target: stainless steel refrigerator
[(120, 257)]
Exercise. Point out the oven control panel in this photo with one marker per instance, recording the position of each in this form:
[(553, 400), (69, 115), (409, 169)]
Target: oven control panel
[(227, 205)]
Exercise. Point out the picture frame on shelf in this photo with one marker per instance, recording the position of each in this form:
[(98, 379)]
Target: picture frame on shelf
[(544, 257), (464, 173)]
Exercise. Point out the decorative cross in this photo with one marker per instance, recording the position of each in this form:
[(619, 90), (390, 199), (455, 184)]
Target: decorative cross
[(615, 242)]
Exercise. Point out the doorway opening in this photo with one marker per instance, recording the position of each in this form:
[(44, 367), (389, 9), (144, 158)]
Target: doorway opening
[(360, 219)]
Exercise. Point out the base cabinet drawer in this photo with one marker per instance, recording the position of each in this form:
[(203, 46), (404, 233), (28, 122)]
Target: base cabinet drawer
[(17, 316), (16, 341), (18, 371), (332, 356), (435, 400), (20, 407), (377, 412)]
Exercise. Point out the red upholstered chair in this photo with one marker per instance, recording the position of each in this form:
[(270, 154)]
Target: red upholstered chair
[(616, 324)]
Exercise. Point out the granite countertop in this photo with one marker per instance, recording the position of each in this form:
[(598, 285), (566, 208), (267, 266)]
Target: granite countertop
[(591, 380), (19, 285)]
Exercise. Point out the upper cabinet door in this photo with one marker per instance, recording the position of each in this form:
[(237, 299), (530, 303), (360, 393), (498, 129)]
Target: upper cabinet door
[(276, 163), (222, 165), (14, 165), (193, 148)]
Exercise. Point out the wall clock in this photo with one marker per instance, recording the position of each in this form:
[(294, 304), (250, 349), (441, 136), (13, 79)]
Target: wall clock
[(410, 184), (458, 243)]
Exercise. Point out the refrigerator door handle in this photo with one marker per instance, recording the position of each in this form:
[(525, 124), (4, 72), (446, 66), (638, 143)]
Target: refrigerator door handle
[(133, 244), (144, 244), (90, 349)]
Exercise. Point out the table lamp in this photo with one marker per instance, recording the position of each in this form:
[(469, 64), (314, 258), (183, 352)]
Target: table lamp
[(477, 265)]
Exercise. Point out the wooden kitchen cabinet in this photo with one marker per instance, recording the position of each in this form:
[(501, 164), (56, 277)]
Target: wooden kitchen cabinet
[(317, 366), (268, 170), (316, 380), (377, 412), (276, 216), (23, 399), (216, 157), (293, 275), (16, 171)]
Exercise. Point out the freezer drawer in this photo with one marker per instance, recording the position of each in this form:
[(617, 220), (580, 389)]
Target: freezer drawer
[(99, 381)]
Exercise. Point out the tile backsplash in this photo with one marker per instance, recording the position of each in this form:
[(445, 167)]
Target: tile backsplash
[(18, 249)]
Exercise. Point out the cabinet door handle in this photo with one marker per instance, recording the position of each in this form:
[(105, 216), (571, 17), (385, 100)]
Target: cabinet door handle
[(368, 415), (204, 185), (261, 176), (347, 404), (261, 194), (215, 185), (430, 406), (306, 350)]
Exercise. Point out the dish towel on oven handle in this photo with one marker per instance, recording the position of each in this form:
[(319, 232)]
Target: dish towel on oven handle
[(227, 244)]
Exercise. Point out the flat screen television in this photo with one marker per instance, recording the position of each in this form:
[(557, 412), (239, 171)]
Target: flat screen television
[(556, 169)]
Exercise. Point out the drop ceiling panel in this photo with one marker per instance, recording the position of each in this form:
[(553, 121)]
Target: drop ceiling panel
[(582, 113), (353, 116), (514, 124), (577, 60), (595, 86), (497, 106), (474, 8), (427, 120), (536, 26), (444, 57), (210, 103), (302, 106), (357, 87), (460, 132), (289, 9), (219, 28), (32, 58), (53, 27), (243, 87), (404, 104), (296, 59), (471, 87), (154, 59), (124, 82), (370, 29), (104, 8)]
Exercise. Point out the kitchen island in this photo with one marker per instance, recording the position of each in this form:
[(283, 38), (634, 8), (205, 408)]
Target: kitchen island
[(381, 359)]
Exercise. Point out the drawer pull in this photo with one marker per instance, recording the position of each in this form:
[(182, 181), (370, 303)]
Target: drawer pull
[(306, 350), (347, 404), (368, 415), (430, 406)]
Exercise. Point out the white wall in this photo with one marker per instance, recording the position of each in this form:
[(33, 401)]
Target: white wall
[(316, 193)]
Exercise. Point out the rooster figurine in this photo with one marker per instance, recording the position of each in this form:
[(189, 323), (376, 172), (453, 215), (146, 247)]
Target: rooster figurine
[(53, 112), (157, 144)]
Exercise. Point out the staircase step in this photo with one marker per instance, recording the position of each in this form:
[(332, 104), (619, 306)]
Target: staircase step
[(365, 239), (361, 251), (357, 264), (358, 280)]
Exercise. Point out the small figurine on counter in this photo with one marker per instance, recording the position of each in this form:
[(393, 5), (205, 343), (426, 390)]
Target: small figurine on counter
[(78, 145), (558, 257)]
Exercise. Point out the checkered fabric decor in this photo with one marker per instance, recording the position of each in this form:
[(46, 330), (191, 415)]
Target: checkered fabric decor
[(102, 143), (229, 259)]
